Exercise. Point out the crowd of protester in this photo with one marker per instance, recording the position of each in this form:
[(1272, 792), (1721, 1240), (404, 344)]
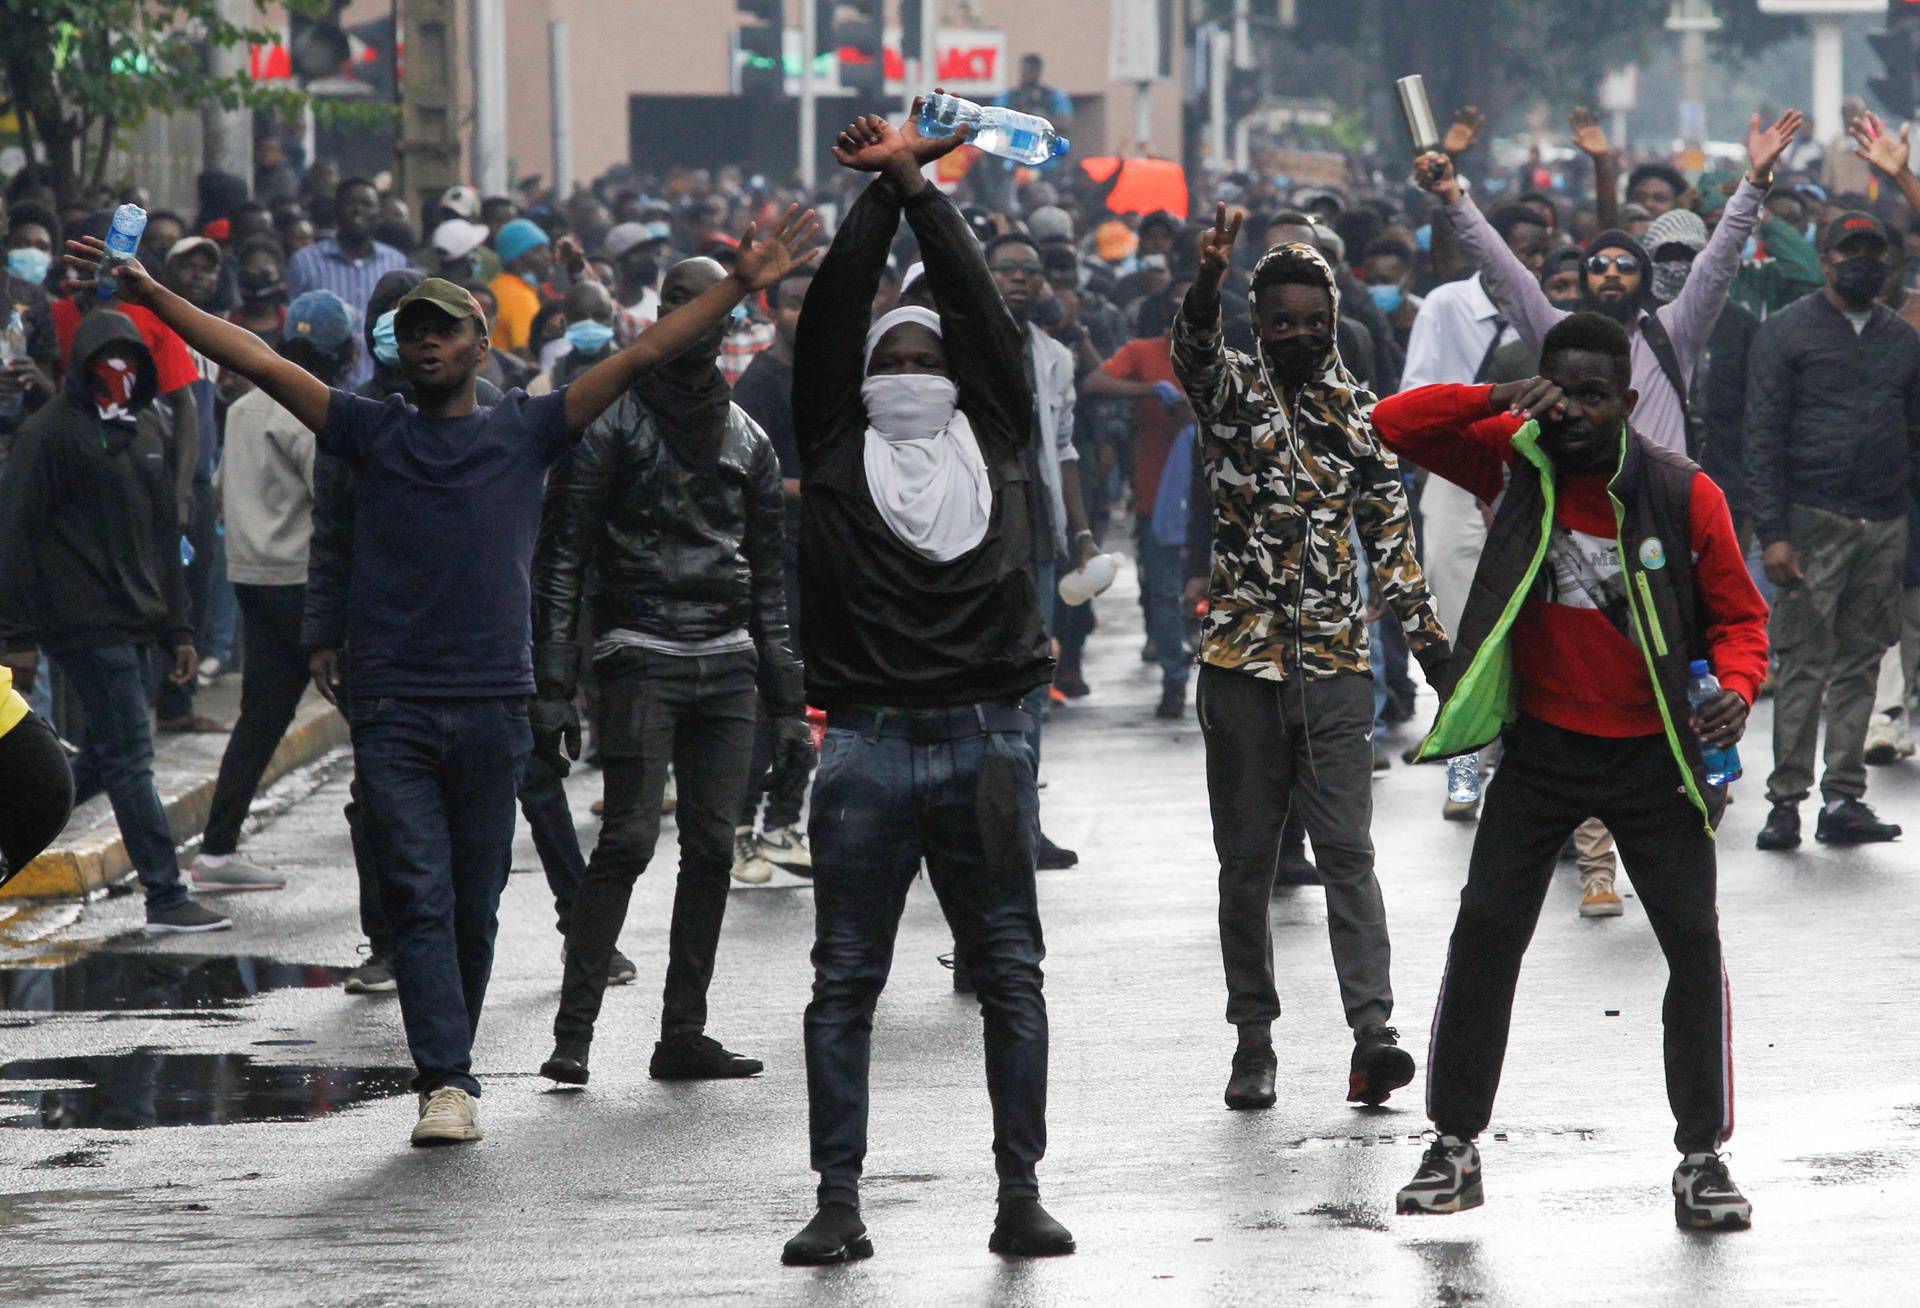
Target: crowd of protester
[(179, 503)]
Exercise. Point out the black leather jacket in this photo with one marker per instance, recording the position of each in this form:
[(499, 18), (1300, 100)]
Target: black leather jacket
[(679, 552)]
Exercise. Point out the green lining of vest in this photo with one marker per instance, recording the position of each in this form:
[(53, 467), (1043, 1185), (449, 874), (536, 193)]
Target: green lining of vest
[(1485, 698)]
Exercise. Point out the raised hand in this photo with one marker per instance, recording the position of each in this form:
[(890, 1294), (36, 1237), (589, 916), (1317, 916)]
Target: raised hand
[(1463, 131), (869, 144), (1878, 146), (1433, 171), (574, 259), (1216, 247), (1589, 137), (796, 244), (1766, 145), (1534, 397), (133, 283)]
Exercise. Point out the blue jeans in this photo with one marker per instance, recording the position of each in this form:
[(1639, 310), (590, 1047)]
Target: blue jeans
[(1163, 582), (882, 801), (438, 779), (110, 683)]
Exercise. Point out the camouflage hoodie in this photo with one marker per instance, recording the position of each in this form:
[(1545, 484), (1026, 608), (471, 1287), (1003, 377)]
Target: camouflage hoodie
[(1292, 476)]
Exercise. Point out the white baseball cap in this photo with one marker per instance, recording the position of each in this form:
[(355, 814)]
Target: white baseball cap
[(463, 200), (456, 237)]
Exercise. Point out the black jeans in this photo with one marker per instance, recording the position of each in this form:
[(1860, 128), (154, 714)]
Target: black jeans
[(901, 788), (36, 793), (116, 755), (1272, 748), (270, 691), (658, 709), (438, 777), (1550, 781)]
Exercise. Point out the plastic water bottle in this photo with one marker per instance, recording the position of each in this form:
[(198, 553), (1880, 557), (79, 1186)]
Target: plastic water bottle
[(1463, 779), (186, 552), (1723, 764), (13, 345), (1023, 138), (123, 239)]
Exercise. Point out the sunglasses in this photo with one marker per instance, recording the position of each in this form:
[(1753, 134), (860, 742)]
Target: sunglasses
[(1600, 264)]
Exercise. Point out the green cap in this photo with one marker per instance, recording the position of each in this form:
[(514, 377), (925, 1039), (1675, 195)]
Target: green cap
[(454, 301)]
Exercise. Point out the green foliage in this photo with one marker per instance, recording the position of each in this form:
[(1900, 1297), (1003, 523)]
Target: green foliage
[(78, 72)]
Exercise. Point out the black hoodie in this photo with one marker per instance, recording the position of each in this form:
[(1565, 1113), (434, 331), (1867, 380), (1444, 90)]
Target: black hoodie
[(89, 534)]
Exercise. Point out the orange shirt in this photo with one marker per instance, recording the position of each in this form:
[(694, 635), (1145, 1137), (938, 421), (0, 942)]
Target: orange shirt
[(519, 302)]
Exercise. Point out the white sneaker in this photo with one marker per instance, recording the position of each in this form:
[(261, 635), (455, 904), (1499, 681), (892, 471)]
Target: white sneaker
[(748, 867), (447, 1116), (1888, 740), (234, 873), (786, 847)]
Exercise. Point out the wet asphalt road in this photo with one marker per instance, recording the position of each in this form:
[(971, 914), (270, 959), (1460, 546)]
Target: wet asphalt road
[(641, 1192)]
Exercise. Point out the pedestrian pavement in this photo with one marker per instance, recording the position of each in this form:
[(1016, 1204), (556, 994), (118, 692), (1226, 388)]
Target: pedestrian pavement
[(90, 855), (639, 1192)]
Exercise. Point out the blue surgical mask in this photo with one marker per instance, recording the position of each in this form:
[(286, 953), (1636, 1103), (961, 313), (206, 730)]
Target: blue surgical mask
[(28, 264), (386, 347), (1423, 236), (1387, 298), (1751, 250), (1813, 233), (589, 336)]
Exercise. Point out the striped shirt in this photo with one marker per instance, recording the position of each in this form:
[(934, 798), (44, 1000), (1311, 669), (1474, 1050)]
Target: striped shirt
[(323, 267)]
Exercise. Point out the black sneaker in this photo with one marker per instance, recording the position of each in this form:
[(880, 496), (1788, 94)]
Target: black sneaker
[(1782, 830), (185, 918), (373, 977), (1852, 823), (698, 1058), (1251, 1085), (1448, 1180), (835, 1235), (1705, 1197), (1026, 1230), (568, 1065), (1380, 1066), (620, 970), (1173, 702), (1071, 684), (1052, 858)]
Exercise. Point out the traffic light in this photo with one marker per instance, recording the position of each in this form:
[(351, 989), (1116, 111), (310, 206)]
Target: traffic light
[(762, 47), (852, 28), (912, 30), (317, 47), (1899, 50)]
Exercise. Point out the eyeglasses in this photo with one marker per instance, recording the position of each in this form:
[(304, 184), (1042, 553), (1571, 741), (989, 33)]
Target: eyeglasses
[(1600, 264), (1009, 269)]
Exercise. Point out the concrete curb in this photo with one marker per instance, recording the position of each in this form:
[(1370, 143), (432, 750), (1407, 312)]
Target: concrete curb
[(87, 866)]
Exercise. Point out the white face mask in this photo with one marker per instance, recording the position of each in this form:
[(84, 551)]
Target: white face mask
[(909, 406)]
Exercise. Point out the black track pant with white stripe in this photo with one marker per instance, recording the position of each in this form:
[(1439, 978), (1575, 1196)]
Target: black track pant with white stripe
[(1549, 782)]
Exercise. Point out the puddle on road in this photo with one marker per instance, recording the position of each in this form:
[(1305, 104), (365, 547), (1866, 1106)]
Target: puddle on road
[(147, 1087), (109, 980)]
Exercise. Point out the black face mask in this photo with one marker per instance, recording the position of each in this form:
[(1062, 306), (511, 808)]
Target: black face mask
[(1299, 359), (259, 284), (1858, 280)]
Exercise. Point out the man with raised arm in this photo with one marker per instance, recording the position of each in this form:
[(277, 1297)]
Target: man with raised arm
[(440, 613), (1667, 339), (923, 632)]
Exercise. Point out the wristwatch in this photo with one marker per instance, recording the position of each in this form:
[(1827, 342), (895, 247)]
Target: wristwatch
[(1761, 180)]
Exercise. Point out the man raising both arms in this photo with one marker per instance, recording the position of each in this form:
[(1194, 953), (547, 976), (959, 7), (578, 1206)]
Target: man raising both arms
[(440, 613)]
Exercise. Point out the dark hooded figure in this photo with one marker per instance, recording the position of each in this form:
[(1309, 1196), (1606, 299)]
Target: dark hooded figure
[(1286, 692), (90, 535)]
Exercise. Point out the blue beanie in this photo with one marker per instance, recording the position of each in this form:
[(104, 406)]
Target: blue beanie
[(517, 237)]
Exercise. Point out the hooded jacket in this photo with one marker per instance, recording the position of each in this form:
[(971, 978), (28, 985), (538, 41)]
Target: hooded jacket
[(89, 532), (1293, 474)]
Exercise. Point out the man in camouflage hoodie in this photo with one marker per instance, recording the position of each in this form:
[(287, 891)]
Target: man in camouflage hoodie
[(1286, 692)]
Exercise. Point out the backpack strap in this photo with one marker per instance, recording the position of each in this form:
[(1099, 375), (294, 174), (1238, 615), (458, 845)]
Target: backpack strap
[(1668, 358)]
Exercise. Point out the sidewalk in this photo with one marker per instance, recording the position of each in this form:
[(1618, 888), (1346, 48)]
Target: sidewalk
[(90, 856)]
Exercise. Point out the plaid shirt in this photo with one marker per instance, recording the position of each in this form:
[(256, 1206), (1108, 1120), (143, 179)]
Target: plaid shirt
[(323, 267)]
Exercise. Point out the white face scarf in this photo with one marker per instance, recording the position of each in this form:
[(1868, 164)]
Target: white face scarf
[(924, 467)]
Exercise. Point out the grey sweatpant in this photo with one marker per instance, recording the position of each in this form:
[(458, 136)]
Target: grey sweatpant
[(1829, 633), (1273, 745)]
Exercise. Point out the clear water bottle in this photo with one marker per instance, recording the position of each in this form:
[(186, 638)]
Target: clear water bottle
[(1463, 779), (123, 239), (13, 345), (1023, 138), (186, 552), (1723, 764)]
